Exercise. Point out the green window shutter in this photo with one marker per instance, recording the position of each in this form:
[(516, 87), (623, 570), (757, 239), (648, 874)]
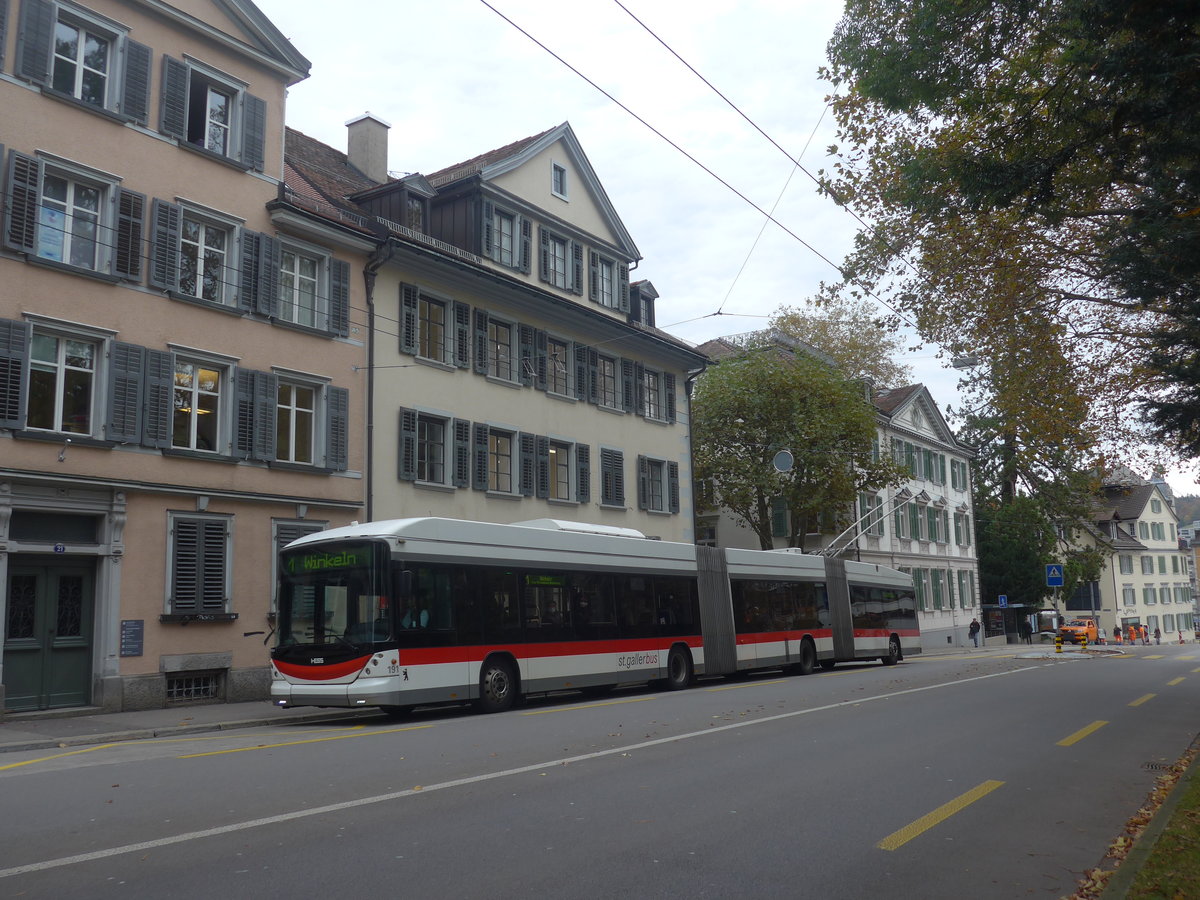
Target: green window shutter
[(339, 297), (480, 468), (487, 224), (337, 407), (462, 335), (462, 452), (409, 302), (407, 461), (583, 473), (779, 517)]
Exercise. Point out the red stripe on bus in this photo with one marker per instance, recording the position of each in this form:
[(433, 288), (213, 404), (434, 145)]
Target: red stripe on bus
[(415, 656), (321, 672), (768, 637)]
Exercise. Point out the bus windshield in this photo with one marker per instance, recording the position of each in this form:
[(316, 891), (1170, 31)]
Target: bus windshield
[(332, 595)]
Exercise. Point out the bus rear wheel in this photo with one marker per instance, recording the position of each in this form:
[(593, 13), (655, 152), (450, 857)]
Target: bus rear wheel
[(497, 686), (679, 669), (893, 654)]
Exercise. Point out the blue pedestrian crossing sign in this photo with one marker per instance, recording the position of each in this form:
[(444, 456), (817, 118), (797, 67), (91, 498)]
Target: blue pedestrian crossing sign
[(1054, 575)]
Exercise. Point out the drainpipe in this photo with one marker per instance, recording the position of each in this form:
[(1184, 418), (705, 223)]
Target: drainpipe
[(376, 261), (689, 382)]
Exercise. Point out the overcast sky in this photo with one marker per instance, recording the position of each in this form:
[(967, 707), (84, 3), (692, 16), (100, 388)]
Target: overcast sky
[(455, 79)]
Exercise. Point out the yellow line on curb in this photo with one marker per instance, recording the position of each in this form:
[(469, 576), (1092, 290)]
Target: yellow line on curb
[(560, 709), (1155, 656), (1175, 681), (340, 737), (898, 839), (1081, 734), (1140, 700)]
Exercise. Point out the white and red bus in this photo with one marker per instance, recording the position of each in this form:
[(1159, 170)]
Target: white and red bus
[(408, 612)]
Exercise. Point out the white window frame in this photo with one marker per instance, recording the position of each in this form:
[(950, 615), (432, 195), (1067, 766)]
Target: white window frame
[(61, 222), (289, 309), (224, 394), (294, 413), (495, 456), (558, 368), (511, 350), (213, 81), (656, 485), (427, 463), (85, 23), (227, 281), (558, 180), (563, 470), (505, 254), (559, 278), (63, 333), (430, 345), (601, 394)]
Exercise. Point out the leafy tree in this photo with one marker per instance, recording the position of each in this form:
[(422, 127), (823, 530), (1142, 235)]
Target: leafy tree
[(1030, 169), (1016, 541), (863, 344), (766, 398)]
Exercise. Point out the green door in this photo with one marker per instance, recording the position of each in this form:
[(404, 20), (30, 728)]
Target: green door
[(48, 636)]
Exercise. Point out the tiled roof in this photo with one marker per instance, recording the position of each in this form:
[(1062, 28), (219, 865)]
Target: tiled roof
[(478, 163), (1128, 502), (887, 402), (320, 179)]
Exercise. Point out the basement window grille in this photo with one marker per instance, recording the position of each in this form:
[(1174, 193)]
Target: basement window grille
[(193, 686)]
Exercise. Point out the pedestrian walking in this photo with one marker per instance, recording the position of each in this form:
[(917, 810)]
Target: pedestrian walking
[(973, 632), (1145, 635), (1117, 633), (1133, 634), (1157, 635)]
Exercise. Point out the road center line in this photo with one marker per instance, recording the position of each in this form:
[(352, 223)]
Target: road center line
[(1082, 733), (473, 779), (898, 839), (1175, 681), (1142, 699)]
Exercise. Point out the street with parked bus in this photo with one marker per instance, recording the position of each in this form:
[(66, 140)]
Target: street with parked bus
[(1000, 772)]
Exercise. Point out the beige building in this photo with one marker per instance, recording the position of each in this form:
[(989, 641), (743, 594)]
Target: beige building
[(180, 371), (516, 371)]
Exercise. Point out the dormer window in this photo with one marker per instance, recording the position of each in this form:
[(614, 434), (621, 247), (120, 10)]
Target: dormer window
[(558, 181)]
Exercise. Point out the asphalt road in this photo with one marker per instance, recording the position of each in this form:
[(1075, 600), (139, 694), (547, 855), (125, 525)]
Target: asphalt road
[(944, 777)]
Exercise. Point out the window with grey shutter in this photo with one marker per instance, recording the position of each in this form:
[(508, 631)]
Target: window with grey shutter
[(158, 394), (576, 285), (35, 32), (581, 371), (528, 444), (135, 95), (543, 466), (525, 228), (257, 398), (126, 372), (409, 307), (643, 490), (199, 560), (165, 219), (486, 226), (127, 258), (612, 477), (339, 297), (527, 366), (639, 388), (623, 288), (407, 461), (337, 414), (541, 361), (480, 449), (462, 335), (3, 29), (265, 293), (254, 125), (21, 202), (583, 473), (593, 276), (15, 338), (462, 453), (628, 386), (673, 487), (669, 395), (481, 341), (172, 118)]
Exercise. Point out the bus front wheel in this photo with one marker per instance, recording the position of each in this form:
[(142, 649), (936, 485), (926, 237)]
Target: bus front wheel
[(497, 686), (808, 659), (893, 654), (679, 669)]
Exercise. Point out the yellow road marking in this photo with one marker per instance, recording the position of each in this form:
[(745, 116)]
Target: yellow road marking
[(337, 737), (558, 709), (1187, 656), (1140, 700), (1082, 733), (1155, 656), (1175, 681), (1197, 669), (898, 839), (734, 687), (172, 740)]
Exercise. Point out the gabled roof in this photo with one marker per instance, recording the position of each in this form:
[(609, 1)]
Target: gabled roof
[(502, 160), (258, 34), (1126, 501), (895, 403), (786, 346)]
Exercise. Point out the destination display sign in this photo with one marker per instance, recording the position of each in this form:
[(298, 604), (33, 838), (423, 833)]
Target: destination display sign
[(300, 562)]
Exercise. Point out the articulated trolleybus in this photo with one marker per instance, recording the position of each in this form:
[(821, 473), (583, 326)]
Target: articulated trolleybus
[(408, 612)]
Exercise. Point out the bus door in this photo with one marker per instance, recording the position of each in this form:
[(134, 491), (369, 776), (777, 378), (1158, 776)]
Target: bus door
[(428, 630)]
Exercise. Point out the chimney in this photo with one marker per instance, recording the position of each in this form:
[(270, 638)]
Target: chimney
[(367, 146)]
